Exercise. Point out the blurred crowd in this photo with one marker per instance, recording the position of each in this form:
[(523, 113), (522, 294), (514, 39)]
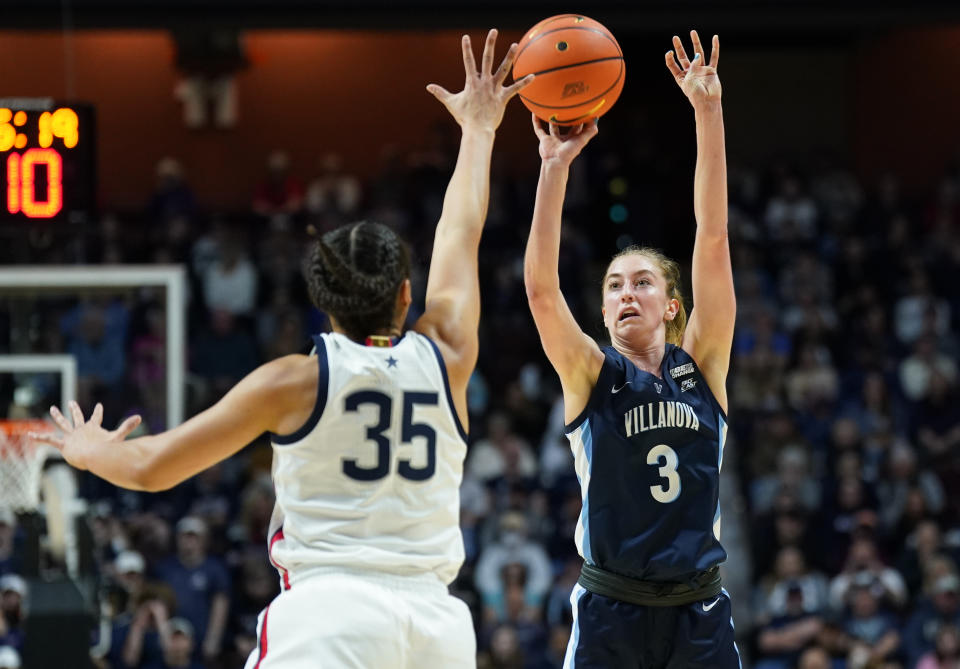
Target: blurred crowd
[(844, 411)]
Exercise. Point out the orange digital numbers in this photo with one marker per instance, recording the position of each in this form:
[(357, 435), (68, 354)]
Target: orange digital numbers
[(45, 133), (8, 134), (40, 148), (13, 183), (21, 186), (63, 123)]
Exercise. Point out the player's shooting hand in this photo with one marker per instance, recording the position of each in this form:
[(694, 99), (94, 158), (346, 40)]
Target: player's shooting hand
[(563, 148), (81, 439), (481, 102), (698, 81)]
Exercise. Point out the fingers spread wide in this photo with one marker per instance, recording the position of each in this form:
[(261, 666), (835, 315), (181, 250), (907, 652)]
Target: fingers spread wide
[(488, 51), (469, 64), (126, 427)]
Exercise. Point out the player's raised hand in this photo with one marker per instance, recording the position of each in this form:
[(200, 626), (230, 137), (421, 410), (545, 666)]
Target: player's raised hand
[(562, 149), (697, 79), (483, 98), (81, 438)]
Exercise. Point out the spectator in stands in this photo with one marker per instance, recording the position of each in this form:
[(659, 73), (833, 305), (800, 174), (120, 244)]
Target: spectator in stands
[(172, 197), (938, 419), (792, 574), (916, 552), (918, 369), (941, 609), (814, 657), (902, 477), (863, 562), (910, 313), (869, 628), (230, 282), (512, 548), (279, 196), (791, 215), (96, 333), (946, 650), (334, 197), (222, 355), (137, 639), (178, 647), (784, 637), (201, 584), (502, 451), (13, 596)]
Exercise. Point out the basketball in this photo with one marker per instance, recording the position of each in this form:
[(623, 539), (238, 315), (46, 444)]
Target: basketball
[(579, 68)]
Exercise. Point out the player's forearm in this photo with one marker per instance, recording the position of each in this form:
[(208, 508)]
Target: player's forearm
[(148, 464), (468, 193), (710, 179), (541, 260)]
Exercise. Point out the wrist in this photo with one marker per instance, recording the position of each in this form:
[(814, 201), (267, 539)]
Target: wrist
[(555, 165), (708, 108), (476, 129)]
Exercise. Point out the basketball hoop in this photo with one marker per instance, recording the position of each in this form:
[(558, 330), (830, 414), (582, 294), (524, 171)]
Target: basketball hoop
[(21, 463)]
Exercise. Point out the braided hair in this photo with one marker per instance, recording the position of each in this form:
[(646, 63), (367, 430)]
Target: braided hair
[(353, 274)]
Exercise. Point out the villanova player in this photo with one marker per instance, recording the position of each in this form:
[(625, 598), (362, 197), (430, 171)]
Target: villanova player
[(646, 416), (368, 434)]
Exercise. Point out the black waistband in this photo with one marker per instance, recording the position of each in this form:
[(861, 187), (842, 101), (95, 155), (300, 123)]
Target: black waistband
[(704, 585)]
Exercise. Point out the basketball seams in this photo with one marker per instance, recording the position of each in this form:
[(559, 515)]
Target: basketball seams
[(583, 62), (602, 33), (584, 102), (555, 66)]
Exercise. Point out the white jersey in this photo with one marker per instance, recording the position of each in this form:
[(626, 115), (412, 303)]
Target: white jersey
[(372, 480)]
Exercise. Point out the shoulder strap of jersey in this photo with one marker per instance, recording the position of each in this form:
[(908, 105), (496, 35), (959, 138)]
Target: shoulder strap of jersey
[(323, 383)]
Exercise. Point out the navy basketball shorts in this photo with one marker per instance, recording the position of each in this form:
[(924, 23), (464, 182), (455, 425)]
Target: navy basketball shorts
[(610, 634)]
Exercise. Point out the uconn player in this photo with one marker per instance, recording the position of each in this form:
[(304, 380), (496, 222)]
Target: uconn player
[(368, 434), (646, 415)]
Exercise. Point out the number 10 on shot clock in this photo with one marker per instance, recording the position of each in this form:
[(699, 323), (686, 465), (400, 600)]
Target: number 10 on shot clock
[(47, 163)]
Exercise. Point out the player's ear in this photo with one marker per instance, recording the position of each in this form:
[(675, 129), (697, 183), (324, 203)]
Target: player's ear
[(673, 307), (404, 294)]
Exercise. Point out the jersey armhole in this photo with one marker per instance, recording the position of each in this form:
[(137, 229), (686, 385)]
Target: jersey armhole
[(446, 387), (323, 380), (592, 400), (703, 379)]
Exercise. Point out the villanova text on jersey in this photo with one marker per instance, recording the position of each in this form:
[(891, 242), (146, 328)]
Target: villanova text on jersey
[(648, 452)]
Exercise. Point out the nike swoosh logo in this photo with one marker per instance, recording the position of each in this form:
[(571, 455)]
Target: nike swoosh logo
[(614, 390), (707, 607)]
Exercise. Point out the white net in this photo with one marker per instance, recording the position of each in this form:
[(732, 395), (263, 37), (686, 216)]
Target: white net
[(21, 464)]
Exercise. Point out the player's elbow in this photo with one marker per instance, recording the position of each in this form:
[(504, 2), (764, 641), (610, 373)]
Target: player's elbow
[(538, 289)]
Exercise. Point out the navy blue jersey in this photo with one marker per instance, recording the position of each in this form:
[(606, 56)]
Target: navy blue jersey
[(648, 452)]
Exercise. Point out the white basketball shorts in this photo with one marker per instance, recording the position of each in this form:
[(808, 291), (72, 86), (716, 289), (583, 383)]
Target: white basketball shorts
[(360, 621)]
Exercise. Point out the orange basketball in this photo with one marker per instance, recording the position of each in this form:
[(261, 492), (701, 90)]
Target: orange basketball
[(579, 68)]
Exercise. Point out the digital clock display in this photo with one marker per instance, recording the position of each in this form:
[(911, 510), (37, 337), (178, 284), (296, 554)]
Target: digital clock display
[(47, 166)]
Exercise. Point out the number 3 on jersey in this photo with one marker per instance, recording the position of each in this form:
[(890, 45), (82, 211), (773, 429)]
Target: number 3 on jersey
[(409, 430), (667, 471)]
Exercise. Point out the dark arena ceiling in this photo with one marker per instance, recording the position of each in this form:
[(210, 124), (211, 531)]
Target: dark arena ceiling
[(639, 16)]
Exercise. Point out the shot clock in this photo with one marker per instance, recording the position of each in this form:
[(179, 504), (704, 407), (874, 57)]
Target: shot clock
[(47, 159)]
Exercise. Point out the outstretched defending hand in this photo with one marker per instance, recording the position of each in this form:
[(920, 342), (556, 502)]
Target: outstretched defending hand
[(483, 98), (562, 149), (82, 438), (699, 82)]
